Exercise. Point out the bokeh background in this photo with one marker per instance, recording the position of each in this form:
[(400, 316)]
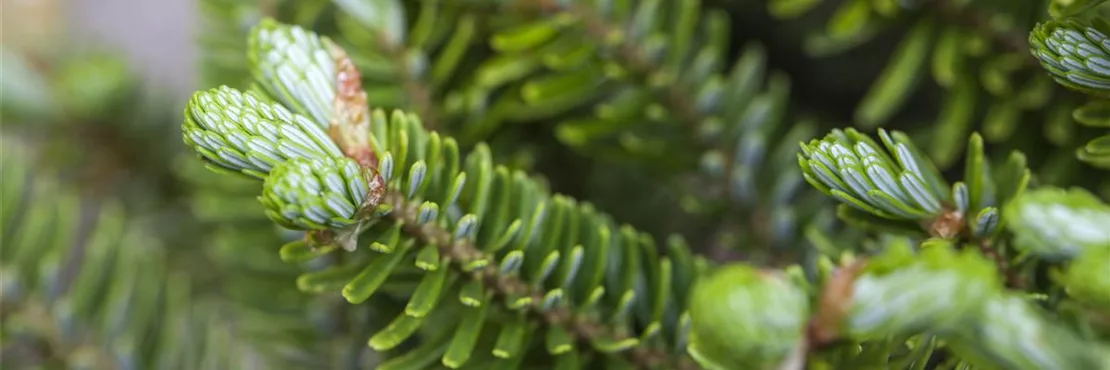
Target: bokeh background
[(156, 36)]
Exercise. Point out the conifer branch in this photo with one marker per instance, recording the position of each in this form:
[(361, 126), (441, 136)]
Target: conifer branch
[(350, 182), (465, 253), (679, 98), (481, 265)]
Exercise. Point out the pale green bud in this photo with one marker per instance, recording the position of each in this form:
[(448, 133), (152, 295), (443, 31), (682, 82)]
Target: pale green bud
[(1077, 53), (1053, 222), (892, 181), (315, 77), (321, 193), (743, 318), (297, 67), (243, 132), (901, 292)]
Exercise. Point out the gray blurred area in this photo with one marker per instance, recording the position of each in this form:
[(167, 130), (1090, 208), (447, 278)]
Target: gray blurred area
[(156, 35)]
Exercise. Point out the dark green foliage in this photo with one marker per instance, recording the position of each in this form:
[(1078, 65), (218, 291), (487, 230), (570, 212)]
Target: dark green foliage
[(648, 184), (959, 67), (511, 248), (492, 228), (572, 72)]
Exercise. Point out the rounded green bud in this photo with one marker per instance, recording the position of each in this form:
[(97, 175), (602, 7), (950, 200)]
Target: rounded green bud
[(901, 292), (743, 318), (243, 132), (900, 185), (1076, 53), (1088, 278), (1058, 223), (321, 193)]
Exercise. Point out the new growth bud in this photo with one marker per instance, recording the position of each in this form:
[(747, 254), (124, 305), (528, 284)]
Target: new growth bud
[(334, 194), (852, 167), (744, 318), (1077, 53), (246, 133), (314, 76)]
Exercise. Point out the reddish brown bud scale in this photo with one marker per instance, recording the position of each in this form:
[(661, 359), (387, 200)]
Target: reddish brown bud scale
[(348, 79), (948, 225), (364, 156), (351, 124), (836, 298), (376, 184), (350, 98)]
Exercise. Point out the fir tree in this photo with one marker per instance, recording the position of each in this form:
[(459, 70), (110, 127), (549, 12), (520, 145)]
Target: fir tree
[(586, 184)]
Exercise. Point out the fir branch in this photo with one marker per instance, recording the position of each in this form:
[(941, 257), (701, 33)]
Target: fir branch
[(679, 99), (585, 329), (321, 204), (340, 199), (947, 287)]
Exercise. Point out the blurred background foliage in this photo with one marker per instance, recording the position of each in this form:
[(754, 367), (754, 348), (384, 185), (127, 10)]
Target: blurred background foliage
[(697, 138)]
